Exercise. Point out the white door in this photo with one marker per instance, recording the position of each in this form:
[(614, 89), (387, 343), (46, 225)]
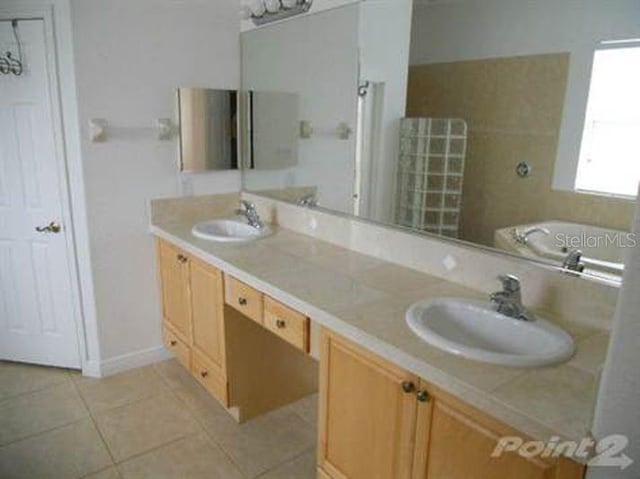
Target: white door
[(36, 302)]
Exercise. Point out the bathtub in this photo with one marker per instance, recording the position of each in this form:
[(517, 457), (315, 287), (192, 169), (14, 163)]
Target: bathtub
[(602, 249)]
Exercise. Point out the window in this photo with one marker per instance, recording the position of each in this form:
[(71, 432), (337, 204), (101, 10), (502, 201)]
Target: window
[(610, 152)]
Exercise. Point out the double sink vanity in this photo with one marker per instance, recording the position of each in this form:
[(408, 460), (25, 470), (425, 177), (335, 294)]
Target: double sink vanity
[(415, 370), (416, 374)]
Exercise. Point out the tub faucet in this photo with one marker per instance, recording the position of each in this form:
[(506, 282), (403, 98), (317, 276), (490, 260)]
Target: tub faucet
[(573, 261), (509, 300), (248, 210), (522, 236)]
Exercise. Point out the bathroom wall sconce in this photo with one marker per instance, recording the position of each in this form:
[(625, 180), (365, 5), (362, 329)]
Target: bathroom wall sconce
[(164, 129), (266, 11)]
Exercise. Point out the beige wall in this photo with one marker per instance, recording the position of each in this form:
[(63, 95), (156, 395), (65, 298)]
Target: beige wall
[(513, 107)]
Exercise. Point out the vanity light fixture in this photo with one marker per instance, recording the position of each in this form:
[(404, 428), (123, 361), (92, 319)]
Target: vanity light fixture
[(267, 11)]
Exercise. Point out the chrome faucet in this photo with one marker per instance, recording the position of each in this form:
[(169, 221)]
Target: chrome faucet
[(522, 236), (573, 261), (509, 300), (309, 200), (248, 210)]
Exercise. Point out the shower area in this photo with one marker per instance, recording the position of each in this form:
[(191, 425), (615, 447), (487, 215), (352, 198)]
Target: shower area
[(430, 174)]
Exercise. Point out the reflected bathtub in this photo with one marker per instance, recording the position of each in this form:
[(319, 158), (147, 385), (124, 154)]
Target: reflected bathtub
[(602, 249)]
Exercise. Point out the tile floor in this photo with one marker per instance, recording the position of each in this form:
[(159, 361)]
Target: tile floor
[(153, 422)]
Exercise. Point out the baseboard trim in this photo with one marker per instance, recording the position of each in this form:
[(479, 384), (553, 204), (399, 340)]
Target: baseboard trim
[(125, 362)]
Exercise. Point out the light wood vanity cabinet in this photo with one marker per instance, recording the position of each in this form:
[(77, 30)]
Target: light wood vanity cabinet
[(193, 307), (174, 273), (377, 421), (367, 420), (237, 348)]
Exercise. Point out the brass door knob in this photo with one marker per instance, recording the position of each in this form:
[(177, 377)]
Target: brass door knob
[(52, 227), (242, 301), (423, 396), (281, 324), (408, 386)]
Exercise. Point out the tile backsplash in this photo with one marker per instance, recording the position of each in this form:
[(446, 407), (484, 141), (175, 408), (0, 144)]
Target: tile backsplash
[(545, 290)]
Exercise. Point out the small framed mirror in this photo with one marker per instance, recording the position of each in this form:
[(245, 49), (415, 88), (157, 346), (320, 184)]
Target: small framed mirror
[(208, 130)]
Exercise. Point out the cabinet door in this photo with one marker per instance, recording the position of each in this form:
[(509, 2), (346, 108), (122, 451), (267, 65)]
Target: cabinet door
[(207, 312), (367, 420), (455, 441), (174, 274)]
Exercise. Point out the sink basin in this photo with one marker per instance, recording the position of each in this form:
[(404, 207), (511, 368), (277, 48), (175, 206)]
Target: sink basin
[(229, 231), (474, 330)]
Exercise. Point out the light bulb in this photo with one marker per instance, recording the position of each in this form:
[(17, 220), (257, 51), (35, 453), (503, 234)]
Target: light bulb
[(272, 6), (257, 8)]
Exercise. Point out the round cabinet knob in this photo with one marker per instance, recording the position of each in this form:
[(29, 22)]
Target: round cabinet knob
[(423, 396), (408, 386), (182, 258), (281, 324), (204, 374), (173, 342), (242, 301)]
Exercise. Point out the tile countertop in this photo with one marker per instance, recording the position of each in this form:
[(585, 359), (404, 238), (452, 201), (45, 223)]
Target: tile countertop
[(365, 299)]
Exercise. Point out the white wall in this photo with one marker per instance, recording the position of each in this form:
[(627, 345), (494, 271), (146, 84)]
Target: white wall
[(129, 58), (384, 59), (316, 57), (473, 29), (617, 405)]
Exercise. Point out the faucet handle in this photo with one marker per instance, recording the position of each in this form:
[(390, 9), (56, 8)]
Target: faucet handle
[(247, 205), (510, 283)]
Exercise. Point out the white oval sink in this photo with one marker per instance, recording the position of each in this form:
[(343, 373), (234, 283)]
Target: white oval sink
[(229, 231), (474, 330)]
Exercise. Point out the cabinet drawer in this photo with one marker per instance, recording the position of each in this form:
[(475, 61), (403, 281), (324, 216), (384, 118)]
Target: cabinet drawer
[(180, 350), (210, 376), (287, 323), (243, 298)]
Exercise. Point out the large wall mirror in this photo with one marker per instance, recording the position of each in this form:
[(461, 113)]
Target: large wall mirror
[(508, 124)]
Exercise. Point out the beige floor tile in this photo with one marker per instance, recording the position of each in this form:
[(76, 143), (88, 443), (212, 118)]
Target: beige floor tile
[(144, 425), (307, 409), (68, 452), (302, 467), (30, 414), (261, 444), (194, 457), (110, 473), (16, 378), (120, 389), (173, 373)]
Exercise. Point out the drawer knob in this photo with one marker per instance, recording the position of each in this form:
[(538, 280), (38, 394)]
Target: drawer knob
[(281, 323), (242, 301), (423, 396), (408, 386), (173, 342), (204, 374), (182, 258)]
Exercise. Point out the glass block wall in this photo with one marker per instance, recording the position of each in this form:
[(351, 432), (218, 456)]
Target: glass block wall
[(430, 174)]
